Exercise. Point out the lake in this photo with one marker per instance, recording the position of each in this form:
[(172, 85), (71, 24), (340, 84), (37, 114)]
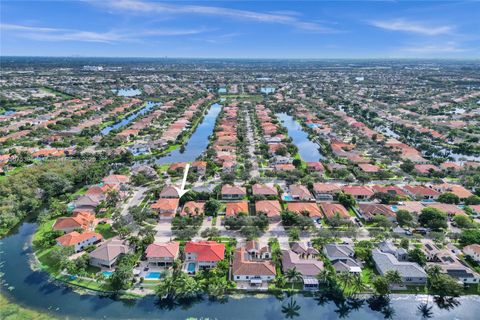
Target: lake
[(308, 149), (198, 141), (33, 289), (267, 90), (128, 92), (122, 123)]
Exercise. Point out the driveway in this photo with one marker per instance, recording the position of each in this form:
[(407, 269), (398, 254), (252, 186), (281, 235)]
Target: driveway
[(276, 230), (164, 231)]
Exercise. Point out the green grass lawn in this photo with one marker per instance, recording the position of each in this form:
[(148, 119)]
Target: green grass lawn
[(105, 230)]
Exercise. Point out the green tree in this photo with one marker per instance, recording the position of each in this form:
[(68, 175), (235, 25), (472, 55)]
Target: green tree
[(381, 285), (469, 237), (433, 218), (472, 200), (212, 206), (449, 197), (417, 255), (407, 166), (393, 277), (442, 285), (463, 222), (347, 200), (404, 218)]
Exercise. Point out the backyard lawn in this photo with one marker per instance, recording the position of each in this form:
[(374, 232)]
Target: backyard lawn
[(105, 230)]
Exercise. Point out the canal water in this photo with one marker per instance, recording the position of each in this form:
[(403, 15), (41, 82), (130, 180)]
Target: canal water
[(148, 107), (33, 289), (129, 92), (198, 142), (308, 150)]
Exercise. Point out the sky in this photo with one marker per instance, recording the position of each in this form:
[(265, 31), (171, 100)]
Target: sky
[(241, 29)]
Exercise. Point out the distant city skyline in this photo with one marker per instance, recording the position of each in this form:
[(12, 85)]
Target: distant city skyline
[(242, 29)]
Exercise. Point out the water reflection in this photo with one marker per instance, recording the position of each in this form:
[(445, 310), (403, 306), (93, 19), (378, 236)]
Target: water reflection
[(307, 149)]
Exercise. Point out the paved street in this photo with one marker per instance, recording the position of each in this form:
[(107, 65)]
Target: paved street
[(134, 200), (251, 147)]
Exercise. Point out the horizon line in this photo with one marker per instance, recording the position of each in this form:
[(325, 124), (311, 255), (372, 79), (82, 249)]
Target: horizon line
[(241, 58)]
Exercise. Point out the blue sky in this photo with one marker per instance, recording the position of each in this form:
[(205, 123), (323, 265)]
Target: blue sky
[(241, 29)]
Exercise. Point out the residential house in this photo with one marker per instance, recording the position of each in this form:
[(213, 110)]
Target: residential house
[(410, 272), (309, 208), (108, 252), (370, 210), (304, 251), (256, 251), (331, 209), (264, 190), (78, 221), (162, 254), (315, 166), (79, 240), (308, 268), (342, 257), (246, 267), (199, 167), (193, 208), (170, 192), (299, 192), (203, 255), (232, 192), (271, 208), (421, 193), (326, 191), (387, 246), (166, 208), (449, 263), (473, 251), (360, 193), (234, 208)]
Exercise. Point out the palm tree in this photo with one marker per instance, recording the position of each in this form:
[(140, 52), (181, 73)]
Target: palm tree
[(280, 281), (357, 284), (291, 309), (293, 275), (167, 289), (326, 276), (393, 277), (346, 279)]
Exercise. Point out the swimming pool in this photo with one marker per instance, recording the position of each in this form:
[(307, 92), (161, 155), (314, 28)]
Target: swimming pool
[(394, 208), (191, 267), (287, 198), (153, 275), (107, 273)]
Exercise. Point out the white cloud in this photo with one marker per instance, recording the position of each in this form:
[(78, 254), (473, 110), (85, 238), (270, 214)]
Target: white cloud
[(411, 26), (59, 34), (435, 49), (286, 18)]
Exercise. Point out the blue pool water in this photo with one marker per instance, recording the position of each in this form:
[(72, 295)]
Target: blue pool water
[(394, 208), (153, 275), (312, 125), (222, 90), (288, 198), (267, 90), (191, 267), (107, 273)]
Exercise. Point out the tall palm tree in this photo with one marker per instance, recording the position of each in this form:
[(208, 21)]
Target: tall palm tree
[(293, 275), (393, 277), (358, 285), (326, 276), (346, 280)]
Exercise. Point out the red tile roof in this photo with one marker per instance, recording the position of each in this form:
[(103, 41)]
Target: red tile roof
[(206, 250)]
